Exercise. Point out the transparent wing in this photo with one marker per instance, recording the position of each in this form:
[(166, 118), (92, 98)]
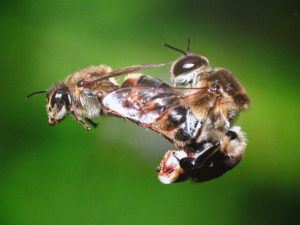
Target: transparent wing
[(122, 71), (141, 104), (146, 99)]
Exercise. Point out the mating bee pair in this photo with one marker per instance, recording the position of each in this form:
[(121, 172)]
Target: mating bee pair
[(196, 113)]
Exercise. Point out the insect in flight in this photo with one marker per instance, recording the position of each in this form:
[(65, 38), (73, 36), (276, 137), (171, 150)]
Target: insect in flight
[(77, 94), (196, 114)]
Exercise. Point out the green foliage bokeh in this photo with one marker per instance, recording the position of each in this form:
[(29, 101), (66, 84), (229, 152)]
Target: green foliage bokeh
[(66, 175)]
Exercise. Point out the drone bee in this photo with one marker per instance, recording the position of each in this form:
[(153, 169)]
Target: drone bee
[(196, 114), (77, 94)]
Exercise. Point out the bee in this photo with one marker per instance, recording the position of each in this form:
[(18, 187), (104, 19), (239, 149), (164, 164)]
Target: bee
[(77, 94), (196, 114)]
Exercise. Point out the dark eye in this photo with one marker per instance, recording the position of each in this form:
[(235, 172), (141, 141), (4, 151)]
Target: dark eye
[(56, 98), (188, 63)]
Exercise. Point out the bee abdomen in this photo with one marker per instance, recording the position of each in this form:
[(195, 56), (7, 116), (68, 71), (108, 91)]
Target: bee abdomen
[(142, 81), (175, 118)]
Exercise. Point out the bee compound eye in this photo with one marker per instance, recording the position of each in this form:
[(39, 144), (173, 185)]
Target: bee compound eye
[(59, 98), (58, 95), (188, 63)]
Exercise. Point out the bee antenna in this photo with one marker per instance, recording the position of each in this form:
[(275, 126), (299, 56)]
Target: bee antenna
[(188, 47), (34, 93), (176, 49)]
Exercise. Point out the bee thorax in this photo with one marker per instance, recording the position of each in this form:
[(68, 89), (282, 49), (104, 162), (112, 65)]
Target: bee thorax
[(89, 106), (185, 80)]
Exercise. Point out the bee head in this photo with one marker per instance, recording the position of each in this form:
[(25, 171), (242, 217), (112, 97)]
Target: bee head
[(186, 69), (59, 100), (187, 64)]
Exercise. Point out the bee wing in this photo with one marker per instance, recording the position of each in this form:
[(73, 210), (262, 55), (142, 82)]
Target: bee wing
[(143, 104), (145, 99), (119, 72)]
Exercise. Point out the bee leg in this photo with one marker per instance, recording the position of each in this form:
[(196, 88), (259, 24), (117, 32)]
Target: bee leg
[(189, 163), (78, 119), (91, 122)]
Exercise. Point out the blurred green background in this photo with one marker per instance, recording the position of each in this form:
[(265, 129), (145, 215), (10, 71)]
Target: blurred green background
[(66, 175)]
